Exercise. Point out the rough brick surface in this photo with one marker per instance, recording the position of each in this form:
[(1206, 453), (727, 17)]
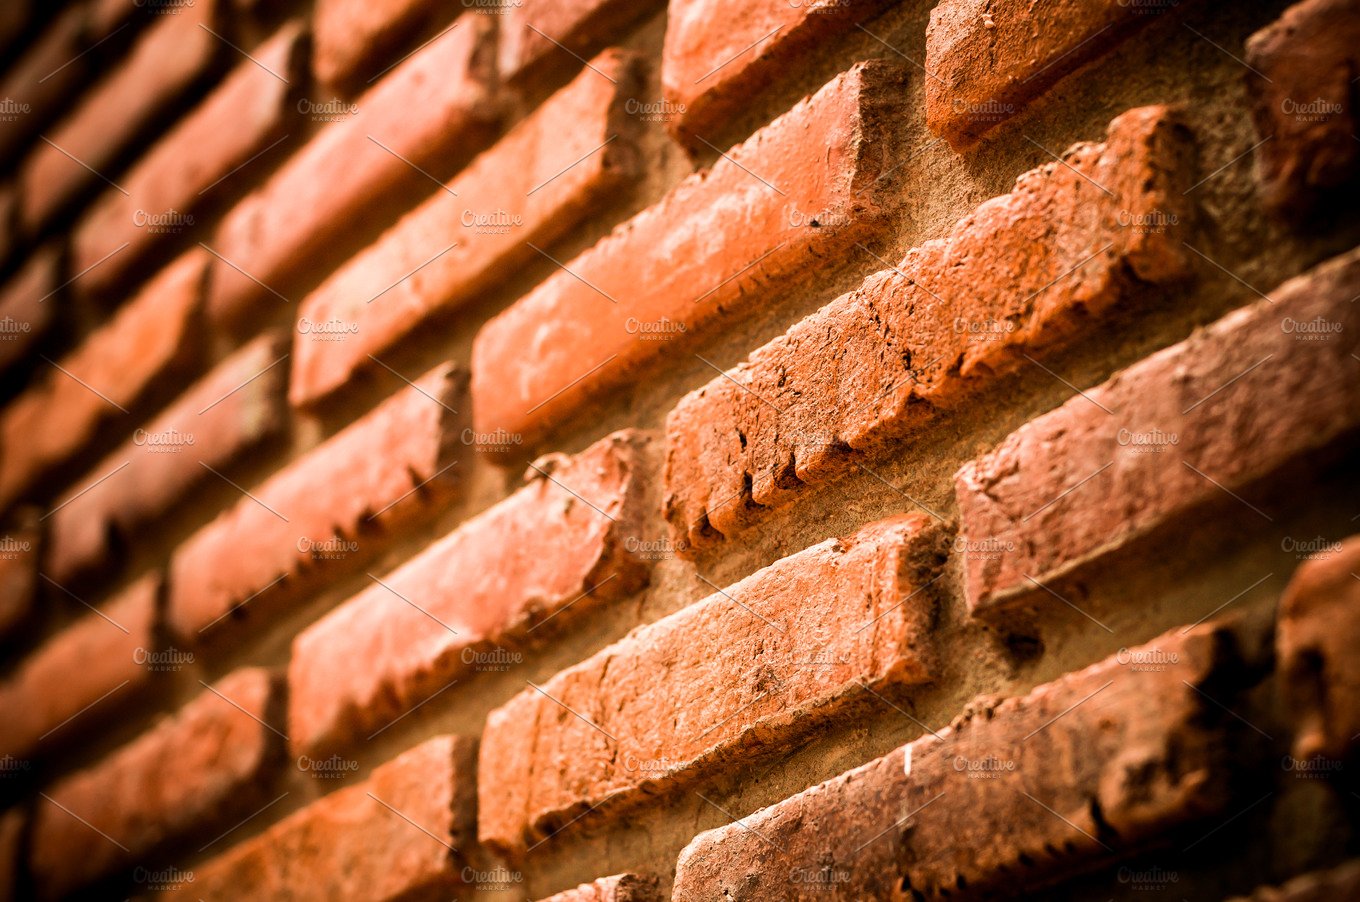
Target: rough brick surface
[(242, 117), (569, 538), (620, 888), (196, 770), (19, 550), (549, 172), (1188, 425), (221, 417), (432, 109), (80, 675), (354, 36), (332, 507), (1302, 76), (1095, 765), (719, 55), (401, 834), (536, 34), (737, 676), (1026, 272), (1318, 632), (27, 307), (1324, 886), (153, 336), (805, 186), (989, 60)]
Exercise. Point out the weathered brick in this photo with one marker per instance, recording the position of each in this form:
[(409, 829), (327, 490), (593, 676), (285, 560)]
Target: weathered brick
[(719, 55), (738, 676), (170, 57), (326, 511), (550, 172), (42, 78), (721, 243), (536, 34), (619, 888), (1318, 631), (434, 110), (354, 37), (1094, 766), (201, 769), (568, 538), (222, 416), (1301, 75), (27, 307), (1025, 273), (19, 551), (244, 115), (404, 833), (1322, 886), (1189, 425), (81, 673), (988, 60), (153, 336)]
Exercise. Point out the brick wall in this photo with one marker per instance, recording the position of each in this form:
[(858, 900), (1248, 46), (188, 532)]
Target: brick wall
[(695, 450)]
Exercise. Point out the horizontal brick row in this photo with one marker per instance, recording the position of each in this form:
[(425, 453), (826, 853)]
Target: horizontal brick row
[(552, 170), (1096, 765), (43, 77), (540, 35), (620, 888), (201, 769), (404, 833), (805, 186), (1191, 425), (353, 37), (569, 539), (234, 408), (325, 512), (27, 306), (1024, 274), (742, 674)]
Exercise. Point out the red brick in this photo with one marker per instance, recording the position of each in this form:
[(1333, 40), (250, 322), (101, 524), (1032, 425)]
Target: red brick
[(1301, 79), (620, 888), (242, 117), (524, 191), (153, 336), (741, 675), (49, 71), (988, 61), (1120, 461), (719, 245), (170, 57), (80, 674), (1094, 766), (1318, 631), (435, 109), (719, 55), (481, 589), (1323, 886), (11, 852), (19, 550), (27, 307), (202, 769), (393, 466), (355, 38), (1024, 274), (401, 834), (539, 35), (221, 417)]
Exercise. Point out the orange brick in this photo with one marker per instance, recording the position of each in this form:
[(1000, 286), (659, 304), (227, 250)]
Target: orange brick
[(542, 35), (28, 307), (355, 37), (620, 888)]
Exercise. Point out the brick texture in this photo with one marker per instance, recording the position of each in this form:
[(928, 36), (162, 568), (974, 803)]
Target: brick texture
[(714, 247), (1189, 425), (737, 676), (329, 509), (955, 316), (621, 888), (567, 539), (42, 78), (27, 307), (19, 551), (353, 37), (550, 171), (538, 35), (401, 834)]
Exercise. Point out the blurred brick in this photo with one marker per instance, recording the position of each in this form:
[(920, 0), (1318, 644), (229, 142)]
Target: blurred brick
[(11, 852), (81, 674), (244, 115), (571, 533), (1097, 765), (1323, 886), (9, 211), (19, 555), (354, 38), (620, 888), (325, 512), (27, 306), (1023, 274), (1185, 427), (201, 769), (220, 418), (551, 171), (432, 111), (737, 677), (404, 833), (540, 35), (716, 247), (1302, 77), (42, 78), (153, 336)]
